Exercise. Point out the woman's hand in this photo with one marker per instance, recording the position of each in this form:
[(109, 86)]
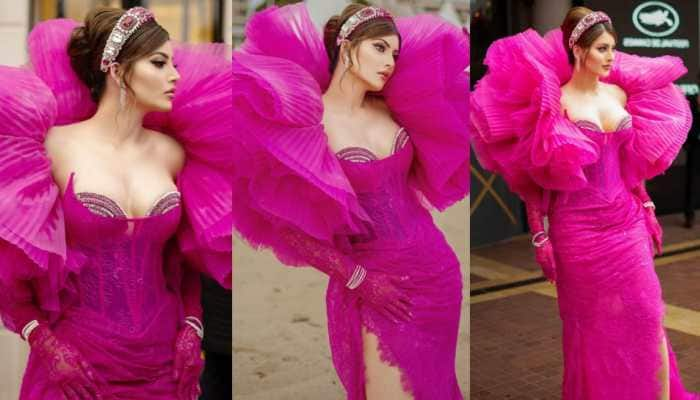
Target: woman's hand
[(65, 366), (382, 292), (188, 363), (654, 228), (544, 254)]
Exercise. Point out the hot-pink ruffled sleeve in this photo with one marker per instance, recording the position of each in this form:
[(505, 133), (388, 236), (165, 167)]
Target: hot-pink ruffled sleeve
[(286, 177), (661, 116), (201, 121), (287, 181), (289, 34), (519, 130), (47, 45), (429, 96), (32, 236)]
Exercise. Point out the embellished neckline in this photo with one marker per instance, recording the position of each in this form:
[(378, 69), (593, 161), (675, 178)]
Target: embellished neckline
[(364, 155), (625, 123), (105, 206)]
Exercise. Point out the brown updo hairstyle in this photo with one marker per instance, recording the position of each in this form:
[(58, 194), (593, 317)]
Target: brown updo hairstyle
[(87, 43), (371, 29), (584, 41)]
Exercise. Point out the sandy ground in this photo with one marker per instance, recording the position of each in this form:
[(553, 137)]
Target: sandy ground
[(280, 341), (14, 352)]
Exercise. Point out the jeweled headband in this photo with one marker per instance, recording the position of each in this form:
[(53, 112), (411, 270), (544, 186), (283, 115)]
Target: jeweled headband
[(586, 23), (357, 19), (128, 23)]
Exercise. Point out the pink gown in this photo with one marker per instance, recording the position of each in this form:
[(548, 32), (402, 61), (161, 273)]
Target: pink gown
[(351, 204), (608, 292), (114, 287)]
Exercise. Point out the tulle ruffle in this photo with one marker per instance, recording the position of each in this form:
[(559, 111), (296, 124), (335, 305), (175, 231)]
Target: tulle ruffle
[(201, 121), (288, 178), (661, 116), (289, 34), (660, 112), (30, 212), (522, 134), (47, 45), (48, 94), (32, 231), (429, 96)]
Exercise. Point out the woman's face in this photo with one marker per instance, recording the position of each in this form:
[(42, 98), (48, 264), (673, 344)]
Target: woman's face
[(153, 80), (374, 60), (600, 56)]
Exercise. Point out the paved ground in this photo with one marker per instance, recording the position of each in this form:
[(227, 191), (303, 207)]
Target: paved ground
[(515, 332)]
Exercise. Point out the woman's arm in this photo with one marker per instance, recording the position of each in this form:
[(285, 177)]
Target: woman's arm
[(544, 253), (653, 226), (380, 290), (18, 307)]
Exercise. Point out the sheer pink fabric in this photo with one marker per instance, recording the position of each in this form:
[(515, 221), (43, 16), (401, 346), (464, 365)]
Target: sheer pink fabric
[(608, 292), (114, 288), (119, 305), (404, 243), (290, 185)]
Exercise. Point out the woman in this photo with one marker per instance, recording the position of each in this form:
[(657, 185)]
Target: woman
[(103, 230), (343, 140), (575, 137)]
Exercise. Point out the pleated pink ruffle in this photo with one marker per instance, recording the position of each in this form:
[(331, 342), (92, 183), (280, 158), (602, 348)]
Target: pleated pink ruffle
[(288, 178), (49, 93), (521, 134), (429, 96)]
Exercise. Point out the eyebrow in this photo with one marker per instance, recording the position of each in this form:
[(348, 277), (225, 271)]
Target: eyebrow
[(160, 53)]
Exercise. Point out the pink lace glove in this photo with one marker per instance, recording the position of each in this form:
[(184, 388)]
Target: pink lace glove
[(654, 228), (378, 290), (66, 367), (544, 253), (382, 292), (188, 363), (545, 257)]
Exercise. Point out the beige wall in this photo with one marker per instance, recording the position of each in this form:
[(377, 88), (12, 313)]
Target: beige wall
[(14, 26), (14, 357)]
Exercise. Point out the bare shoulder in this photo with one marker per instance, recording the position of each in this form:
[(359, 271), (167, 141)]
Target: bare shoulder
[(616, 92), (565, 98), (167, 150), (60, 139)]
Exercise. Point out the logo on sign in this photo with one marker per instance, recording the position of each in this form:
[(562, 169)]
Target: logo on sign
[(655, 18)]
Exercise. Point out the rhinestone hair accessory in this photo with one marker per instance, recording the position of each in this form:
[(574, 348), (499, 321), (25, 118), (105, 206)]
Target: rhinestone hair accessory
[(586, 23), (357, 19), (128, 23)]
